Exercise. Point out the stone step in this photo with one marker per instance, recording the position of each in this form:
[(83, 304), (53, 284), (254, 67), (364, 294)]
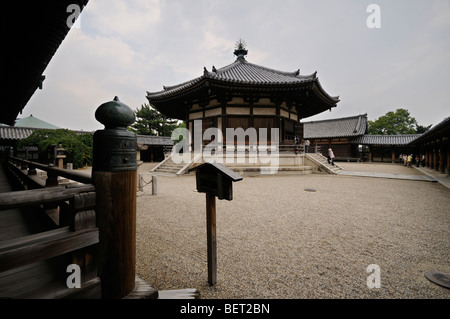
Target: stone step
[(246, 170), (168, 168), (169, 171), (179, 294)]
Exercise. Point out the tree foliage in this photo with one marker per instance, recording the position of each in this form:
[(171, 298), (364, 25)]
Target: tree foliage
[(396, 123), (78, 147), (151, 122)]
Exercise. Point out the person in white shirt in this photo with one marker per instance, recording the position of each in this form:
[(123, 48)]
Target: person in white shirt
[(307, 143), (330, 157)]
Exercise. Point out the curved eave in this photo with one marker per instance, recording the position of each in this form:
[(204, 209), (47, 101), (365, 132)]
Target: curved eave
[(187, 88), (324, 94), (174, 91)]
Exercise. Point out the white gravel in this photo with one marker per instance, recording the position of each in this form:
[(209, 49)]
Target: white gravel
[(276, 240)]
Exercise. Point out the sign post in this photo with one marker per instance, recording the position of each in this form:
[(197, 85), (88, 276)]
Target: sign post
[(211, 238), (216, 181)]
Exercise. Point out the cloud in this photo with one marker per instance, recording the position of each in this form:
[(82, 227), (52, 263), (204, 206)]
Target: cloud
[(88, 71), (126, 48), (122, 18)]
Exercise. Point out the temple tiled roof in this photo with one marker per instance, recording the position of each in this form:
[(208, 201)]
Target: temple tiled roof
[(435, 130), (243, 72), (30, 50), (385, 140), (15, 133), (336, 128), (32, 121)]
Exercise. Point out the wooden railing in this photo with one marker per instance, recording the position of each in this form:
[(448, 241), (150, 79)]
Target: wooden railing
[(94, 220), (72, 239), (275, 148), (29, 169)]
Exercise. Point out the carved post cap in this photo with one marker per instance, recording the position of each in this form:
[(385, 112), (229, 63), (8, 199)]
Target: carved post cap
[(114, 147), (115, 114)]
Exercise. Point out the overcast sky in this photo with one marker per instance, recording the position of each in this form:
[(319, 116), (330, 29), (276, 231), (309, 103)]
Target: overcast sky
[(126, 48)]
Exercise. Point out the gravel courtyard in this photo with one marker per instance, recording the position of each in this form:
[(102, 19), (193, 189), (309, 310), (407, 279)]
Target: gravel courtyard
[(276, 240)]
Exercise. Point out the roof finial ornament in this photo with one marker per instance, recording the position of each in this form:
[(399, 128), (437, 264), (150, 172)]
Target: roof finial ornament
[(240, 50)]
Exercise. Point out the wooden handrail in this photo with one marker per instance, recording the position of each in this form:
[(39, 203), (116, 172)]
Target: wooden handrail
[(26, 250), (75, 176), (40, 196)]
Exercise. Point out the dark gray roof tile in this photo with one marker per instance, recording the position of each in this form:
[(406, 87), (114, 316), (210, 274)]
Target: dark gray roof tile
[(243, 72), (15, 133), (385, 140), (335, 128)]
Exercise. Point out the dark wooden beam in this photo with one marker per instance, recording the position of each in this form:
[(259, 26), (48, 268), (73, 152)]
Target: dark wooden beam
[(26, 250)]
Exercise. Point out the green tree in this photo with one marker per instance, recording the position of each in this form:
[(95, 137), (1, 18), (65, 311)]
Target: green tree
[(151, 122), (394, 123), (78, 147)]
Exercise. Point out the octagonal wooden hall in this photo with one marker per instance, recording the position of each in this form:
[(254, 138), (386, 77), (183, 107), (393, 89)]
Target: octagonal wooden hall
[(245, 95)]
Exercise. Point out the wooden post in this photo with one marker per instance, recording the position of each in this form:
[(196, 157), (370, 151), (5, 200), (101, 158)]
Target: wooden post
[(448, 159), (211, 238), (114, 175), (140, 183), (154, 185), (435, 159)]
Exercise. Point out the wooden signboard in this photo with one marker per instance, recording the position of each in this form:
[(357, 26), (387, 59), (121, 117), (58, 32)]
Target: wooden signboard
[(215, 180)]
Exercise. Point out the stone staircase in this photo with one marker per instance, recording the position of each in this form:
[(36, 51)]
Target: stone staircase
[(322, 162), (170, 168)]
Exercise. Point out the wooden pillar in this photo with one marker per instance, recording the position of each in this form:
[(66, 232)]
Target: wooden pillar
[(211, 238), (393, 156), (114, 175), (435, 159), (430, 158), (442, 159), (447, 149)]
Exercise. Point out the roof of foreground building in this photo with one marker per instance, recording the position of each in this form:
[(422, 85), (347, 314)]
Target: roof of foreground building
[(32, 33)]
